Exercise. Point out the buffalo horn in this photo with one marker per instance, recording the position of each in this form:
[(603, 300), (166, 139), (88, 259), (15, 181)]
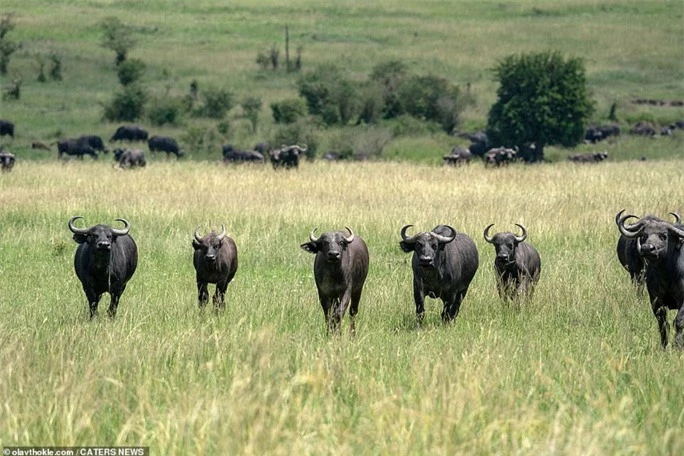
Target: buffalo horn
[(74, 229), (523, 236), (677, 218), (633, 230), (222, 234), (350, 238), (197, 236), (312, 237), (446, 239), (679, 232), (486, 235), (409, 240), (125, 230)]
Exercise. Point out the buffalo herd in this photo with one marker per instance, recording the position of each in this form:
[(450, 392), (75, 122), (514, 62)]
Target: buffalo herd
[(444, 263)]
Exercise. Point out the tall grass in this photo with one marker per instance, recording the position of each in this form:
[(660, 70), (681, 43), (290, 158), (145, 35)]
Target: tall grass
[(576, 370)]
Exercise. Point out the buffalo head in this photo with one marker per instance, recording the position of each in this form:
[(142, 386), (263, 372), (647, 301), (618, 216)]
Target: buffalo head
[(98, 236), (425, 246), (505, 244), (652, 236), (209, 245), (331, 245)]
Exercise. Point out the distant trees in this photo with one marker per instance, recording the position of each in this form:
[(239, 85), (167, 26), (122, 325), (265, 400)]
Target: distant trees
[(7, 46), (542, 100), (117, 37)]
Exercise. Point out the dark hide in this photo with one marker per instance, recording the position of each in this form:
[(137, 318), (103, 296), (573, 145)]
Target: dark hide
[(6, 128), (77, 147), (130, 158), (216, 261), (164, 144), (129, 133)]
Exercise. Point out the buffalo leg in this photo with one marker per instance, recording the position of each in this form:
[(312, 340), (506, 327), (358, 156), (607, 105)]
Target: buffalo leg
[(419, 298), (220, 294), (202, 293), (341, 307), (660, 313), (679, 327), (452, 307), (93, 301), (113, 304), (353, 310)]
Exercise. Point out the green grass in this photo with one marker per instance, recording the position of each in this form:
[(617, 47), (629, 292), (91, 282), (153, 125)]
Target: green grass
[(632, 49), (578, 370)]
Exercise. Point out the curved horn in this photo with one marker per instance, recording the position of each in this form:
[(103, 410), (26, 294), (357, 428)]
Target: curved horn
[(197, 236), (73, 228), (312, 237), (222, 234), (486, 235), (125, 230), (679, 232), (634, 230), (523, 236), (304, 148), (351, 236), (677, 218), (405, 238), (446, 239)]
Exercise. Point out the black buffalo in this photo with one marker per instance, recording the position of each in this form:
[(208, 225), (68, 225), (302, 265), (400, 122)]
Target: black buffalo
[(7, 160), (231, 154), (6, 128), (660, 244), (340, 270), (130, 158), (216, 261), (517, 263), (627, 252), (129, 133), (458, 156), (287, 156), (444, 263), (598, 133), (589, 157), (77, 147), (106, 259), (164, 144), (95, 142), (500, 156)]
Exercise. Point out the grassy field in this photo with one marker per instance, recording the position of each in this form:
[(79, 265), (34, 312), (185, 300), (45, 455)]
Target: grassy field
[(578, 370), (632, 49)]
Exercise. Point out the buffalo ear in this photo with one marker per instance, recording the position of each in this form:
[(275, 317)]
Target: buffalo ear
[(196, 245), (80, 238), (406, 247), (309, 247)]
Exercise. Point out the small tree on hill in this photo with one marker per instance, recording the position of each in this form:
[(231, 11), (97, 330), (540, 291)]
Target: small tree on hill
[(7, 47), (542, 100), (117, 37)]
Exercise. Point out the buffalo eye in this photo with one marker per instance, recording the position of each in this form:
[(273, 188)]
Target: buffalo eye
[(663, 237)]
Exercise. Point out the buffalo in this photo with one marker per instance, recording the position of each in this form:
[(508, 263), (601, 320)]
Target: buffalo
[(95, 142), (659, 243), (129, 133), (287, 156), (598, 133), (340, 270), (164, 144), (627, 252), (517, 263), (499, 156), (6, 128), (77, 147), (7, 160), (458, 156), (216, 261), (105, 260), (39, 145), (589, 157), (132, 158), (231, 154), (444, 263)]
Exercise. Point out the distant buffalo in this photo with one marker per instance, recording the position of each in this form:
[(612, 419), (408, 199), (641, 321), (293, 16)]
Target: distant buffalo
[(216, 261), (287, 156), (164, 144), (133, 158), (517, 263), (77, 147), (589, 157), (6, 128), (643, 128), (231, 154), (129, 133), (444, 263), (39, 145), (7, 160), (95, 142), (500, 156), (458, 156), (105, 260), (340, 270), (598, 133)]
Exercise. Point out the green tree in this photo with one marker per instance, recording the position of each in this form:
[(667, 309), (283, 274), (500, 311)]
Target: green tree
[(251, 106), (131, 71), (7, 47), (542, 100), (117, 37)]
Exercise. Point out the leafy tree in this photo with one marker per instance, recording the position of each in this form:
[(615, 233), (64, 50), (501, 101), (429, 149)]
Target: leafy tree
[(117, 37), (431, 98), (329, 94), (251, 106), (127, 105), (217, 102), (288, 111), (542, 100), (7, 47), (390, 76), (130, 71)]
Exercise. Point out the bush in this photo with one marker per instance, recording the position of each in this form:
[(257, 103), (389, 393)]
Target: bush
[(127, 105), (251, 106), (390, 76), (217, 102), (165, 111), (431, 98), (288, 111), (130, 71), (297, 133), (117, 37), (329, 94)]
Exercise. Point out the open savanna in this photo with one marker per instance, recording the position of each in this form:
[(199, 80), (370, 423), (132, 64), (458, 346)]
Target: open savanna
[(631, 49), (577, 370)]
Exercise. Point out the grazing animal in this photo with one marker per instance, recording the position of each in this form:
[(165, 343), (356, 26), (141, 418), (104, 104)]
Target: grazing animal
[(499, 156), (627, 252), (479, 143), (95, 142), (129, 133), (6, 128), (231, 154), (660, 244), (517, 263), (340, 270), (39, 145), (164, 144), (444, 263), (287, 156), (132, 158), (216, 261), (643, 128), (458, 157), (77, 147), (589, 157), (105, 260), (7, 160), (598, 133)]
